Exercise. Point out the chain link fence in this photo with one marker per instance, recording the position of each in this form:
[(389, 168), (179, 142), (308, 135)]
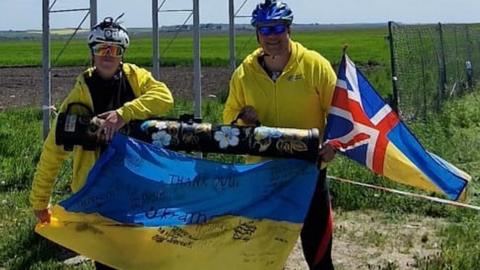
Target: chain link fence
[(432, 63)]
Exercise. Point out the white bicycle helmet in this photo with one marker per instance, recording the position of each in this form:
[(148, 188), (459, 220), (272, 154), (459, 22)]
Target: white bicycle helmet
[(109, 31)]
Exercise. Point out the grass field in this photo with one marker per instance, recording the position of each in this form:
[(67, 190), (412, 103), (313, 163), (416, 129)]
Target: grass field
[(365, 46), (453, 134)]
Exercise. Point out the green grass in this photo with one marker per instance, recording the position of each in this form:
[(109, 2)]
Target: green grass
[(366, 46), (453, 134)]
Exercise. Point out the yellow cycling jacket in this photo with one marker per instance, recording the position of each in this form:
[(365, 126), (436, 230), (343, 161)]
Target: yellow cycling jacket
[(299, 98), (153, 98)]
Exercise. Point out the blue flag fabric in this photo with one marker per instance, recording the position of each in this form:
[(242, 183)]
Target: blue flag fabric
[(144, 207), (137, 183)]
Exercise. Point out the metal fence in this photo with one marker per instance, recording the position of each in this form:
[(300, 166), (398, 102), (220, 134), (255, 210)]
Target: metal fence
[(431, 64)]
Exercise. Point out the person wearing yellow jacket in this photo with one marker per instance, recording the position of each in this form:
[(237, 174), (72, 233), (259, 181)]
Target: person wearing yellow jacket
[(283, 84), (115, 91)]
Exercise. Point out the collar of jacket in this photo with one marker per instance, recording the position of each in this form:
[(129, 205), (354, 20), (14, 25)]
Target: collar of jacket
[(128, 70), (296, 56)]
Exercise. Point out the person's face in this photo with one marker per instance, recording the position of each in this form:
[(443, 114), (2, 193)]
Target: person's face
[(274, 38), (107, 59)]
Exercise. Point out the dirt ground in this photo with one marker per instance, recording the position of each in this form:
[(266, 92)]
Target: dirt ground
[(362, 240), (24, 86), (375, 240)]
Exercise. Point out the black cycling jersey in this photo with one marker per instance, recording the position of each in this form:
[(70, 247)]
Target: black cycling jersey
[(110, 94)]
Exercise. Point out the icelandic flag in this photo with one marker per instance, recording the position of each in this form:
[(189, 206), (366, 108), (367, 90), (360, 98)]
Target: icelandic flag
[(366, 129)]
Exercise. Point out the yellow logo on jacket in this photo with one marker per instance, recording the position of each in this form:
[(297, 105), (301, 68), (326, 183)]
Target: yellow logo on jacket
[(295, 77)]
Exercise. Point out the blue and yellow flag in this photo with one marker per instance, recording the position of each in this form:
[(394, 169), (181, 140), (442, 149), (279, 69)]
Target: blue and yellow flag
[(144, 207), (367, 130)]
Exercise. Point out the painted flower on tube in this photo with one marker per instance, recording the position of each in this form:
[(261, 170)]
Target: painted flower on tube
[(161, 138), (266, 133), (227, 136), (264, 136), (160, 125)]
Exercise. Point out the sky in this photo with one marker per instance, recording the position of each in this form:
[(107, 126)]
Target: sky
[(27, 14)]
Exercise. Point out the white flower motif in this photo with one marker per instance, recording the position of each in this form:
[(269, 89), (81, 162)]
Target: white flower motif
[(227, 136), (161, 125), (267, 132), (161, 138)]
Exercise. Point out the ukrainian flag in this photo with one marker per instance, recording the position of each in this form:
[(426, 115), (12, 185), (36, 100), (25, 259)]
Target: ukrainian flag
[(144, 207)]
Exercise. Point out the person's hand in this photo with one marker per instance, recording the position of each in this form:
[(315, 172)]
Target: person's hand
[(113, 122), (249, 116), (43, 216), (326, 152)]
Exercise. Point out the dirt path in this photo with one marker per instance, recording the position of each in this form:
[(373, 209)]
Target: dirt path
[(24, 86), (375, 240)]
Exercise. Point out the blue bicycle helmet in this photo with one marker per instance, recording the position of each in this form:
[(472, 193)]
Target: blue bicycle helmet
[(271, 11)]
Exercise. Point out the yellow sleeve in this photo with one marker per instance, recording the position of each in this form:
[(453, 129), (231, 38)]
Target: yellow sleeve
[(155, 99), (51, 160), (326, 82), (235, 100)]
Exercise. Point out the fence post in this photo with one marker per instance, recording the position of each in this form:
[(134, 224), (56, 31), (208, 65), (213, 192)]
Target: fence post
[(442, 67), (395, 102), (457, 69), (47, 84), (155, 48), (231, 33), (424, 85), (469, 66)]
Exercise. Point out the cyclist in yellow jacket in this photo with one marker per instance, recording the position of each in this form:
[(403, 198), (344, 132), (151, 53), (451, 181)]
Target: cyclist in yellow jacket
[(115, 91), (283, 84)]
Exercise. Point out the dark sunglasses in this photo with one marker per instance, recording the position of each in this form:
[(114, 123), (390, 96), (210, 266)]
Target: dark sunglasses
[(272, 30)]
